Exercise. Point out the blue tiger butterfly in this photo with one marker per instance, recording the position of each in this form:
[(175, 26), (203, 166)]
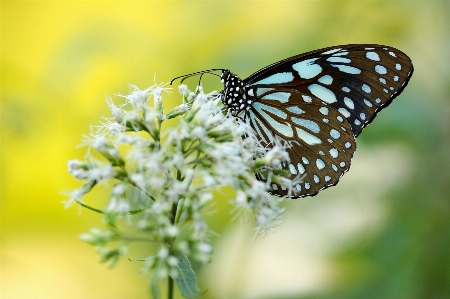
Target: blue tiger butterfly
[(317, 103)]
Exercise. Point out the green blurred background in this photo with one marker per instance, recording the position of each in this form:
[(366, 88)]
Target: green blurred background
[(383, 232)]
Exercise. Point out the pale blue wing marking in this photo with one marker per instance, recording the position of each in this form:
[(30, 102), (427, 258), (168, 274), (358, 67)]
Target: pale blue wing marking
[(373, 56), (347, 69), (282, 97), (307, 69), (261, 91), (327, 79), (278, 78), (307, 137), (322, 93), (380, 69), (309, 124), (284, 129), (295, 109), (338, 59)]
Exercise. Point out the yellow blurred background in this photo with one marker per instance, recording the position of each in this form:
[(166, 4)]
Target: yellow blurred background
[(383, 232)]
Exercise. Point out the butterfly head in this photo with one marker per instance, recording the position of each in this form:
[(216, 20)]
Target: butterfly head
[(233, 94)]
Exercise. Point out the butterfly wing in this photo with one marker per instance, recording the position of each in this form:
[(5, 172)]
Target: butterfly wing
[(318, 102), (319, 140), (357, 80)]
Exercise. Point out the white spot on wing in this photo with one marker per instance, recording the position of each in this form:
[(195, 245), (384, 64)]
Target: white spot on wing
[(380, 69), (334, 153), (341, 53), (278, 78), (282, 97), (327, 79), (345, 89), (309, 124), (338, 59), (331, 51), (306, 161), (261, 91), (373, 56), (368, 104), (335, 134), (398, 66), (316, 179), (307, 138), (307, 69), (292, 169), (284, 129), (307, 99), (295, 109), (322, 93), (320, 164), (344, 112), (347, 69), (366, 88), (301, 169), (323, 110), (349, 103)]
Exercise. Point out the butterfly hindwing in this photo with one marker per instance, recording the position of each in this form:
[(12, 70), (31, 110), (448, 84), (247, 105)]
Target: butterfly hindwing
[(319, 140)]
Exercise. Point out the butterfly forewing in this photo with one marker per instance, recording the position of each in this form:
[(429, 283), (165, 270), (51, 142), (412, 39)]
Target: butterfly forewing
[(357, 80)]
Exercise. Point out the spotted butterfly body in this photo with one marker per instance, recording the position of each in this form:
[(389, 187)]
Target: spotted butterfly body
[(317, 103)]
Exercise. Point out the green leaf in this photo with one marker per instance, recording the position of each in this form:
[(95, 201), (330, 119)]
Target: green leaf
[(186, 279)]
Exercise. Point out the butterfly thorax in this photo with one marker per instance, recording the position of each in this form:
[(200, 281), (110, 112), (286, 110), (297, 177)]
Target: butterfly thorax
[(233, 94)]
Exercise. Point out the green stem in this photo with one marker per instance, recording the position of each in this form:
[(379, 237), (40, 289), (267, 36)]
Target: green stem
[(170, 288), (174, 211)]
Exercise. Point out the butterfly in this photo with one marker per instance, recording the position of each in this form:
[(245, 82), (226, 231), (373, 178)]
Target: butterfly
[(317, 103)]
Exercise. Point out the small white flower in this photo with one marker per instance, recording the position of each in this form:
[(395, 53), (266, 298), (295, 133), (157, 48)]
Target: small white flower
[(119, 189), (163, 253), (241, 198), (171, 231), (100, 173), (204, 248), (172, 261), (199, 133), (183, 89), (138, 179), (138, 98), (117, 112)]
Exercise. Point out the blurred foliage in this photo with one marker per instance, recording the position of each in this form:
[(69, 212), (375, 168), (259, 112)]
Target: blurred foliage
[(60, 58)]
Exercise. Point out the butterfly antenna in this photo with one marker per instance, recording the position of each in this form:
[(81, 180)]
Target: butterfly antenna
[(195, 74)]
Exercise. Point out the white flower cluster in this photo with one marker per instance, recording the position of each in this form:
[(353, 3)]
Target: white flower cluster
[(166, 184)]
